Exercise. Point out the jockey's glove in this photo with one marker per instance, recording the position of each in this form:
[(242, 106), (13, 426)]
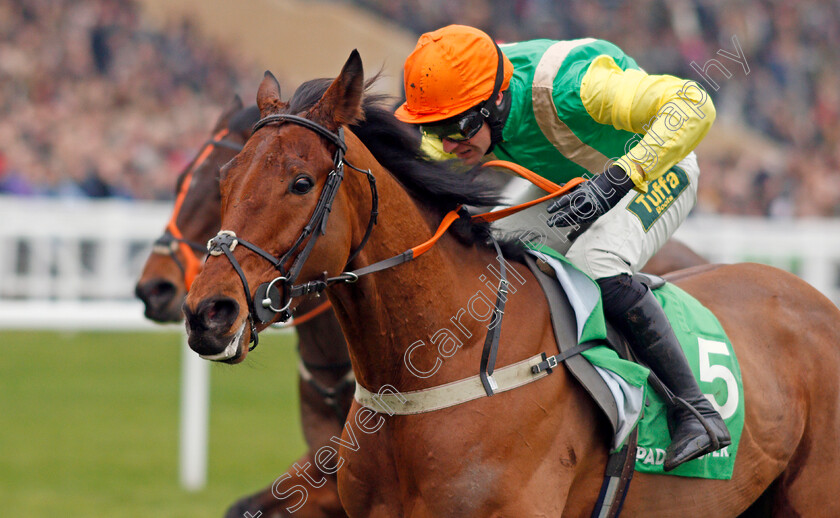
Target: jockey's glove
[(591, 199)]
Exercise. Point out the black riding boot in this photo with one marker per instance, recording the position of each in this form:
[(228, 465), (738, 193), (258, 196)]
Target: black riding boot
[(654, 342)]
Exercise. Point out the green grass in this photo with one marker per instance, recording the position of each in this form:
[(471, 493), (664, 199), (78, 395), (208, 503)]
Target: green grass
[(89, 425)]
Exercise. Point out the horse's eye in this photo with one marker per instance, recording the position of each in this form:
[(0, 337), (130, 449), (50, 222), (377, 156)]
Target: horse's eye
[(301, 185)]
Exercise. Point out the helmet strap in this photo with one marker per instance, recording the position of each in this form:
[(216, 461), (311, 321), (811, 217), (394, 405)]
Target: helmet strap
[(497, 118), (496, 114)]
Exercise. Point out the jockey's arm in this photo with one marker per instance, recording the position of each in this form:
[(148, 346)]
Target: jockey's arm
[(673, 114)]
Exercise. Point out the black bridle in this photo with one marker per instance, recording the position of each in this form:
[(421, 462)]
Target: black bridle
[(271, 300)]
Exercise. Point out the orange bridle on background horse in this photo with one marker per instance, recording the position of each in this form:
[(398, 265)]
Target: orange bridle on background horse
[(326, 385)]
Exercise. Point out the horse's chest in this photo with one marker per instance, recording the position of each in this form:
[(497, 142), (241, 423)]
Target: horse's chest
[(367, 487), (420, 478)]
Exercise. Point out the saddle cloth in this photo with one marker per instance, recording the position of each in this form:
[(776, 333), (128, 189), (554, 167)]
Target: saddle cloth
[(619, 386)]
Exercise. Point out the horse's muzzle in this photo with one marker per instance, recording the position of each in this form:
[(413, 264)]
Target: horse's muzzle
[(160, 299), (210, 328)]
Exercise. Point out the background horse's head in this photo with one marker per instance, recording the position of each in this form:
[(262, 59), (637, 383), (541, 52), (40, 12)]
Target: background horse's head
[(269, 193), (177, 255)]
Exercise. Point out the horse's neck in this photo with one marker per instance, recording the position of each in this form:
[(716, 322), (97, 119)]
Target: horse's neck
[(386, 312), (321, 341)]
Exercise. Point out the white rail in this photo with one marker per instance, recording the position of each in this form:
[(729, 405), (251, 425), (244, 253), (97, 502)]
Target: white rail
[(75, 249), (808, 248)]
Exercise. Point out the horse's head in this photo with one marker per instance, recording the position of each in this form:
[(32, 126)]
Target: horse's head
[(284, 219), (178, 254)]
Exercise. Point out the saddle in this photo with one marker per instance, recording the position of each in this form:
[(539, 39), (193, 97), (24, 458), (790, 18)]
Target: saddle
[(620, 466), (562, 313)]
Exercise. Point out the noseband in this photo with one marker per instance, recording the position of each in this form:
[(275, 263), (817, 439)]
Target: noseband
[(172, 239), (271, 301)]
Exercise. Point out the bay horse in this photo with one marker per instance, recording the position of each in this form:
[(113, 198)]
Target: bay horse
[(538, 450), (325, 390)]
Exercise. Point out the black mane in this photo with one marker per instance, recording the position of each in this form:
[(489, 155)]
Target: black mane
[(396, 146)]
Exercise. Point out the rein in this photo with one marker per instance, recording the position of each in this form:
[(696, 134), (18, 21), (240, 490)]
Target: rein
[(172, 239), (306, 317), (272, 302)]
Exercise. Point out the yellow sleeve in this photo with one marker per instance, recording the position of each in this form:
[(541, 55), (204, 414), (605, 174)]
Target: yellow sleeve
[(433, 148), (673, 114)]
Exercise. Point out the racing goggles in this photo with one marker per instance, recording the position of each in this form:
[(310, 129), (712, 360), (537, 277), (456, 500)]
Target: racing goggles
[(459, 128)]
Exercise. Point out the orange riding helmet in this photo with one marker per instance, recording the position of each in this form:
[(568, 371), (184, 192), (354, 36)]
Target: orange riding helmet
[(450, 71)]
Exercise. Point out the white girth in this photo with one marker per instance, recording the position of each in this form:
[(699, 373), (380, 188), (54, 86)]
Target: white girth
[(449, 394)]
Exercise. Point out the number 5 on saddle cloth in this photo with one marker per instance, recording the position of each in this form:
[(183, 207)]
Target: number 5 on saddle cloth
[(705, 344)]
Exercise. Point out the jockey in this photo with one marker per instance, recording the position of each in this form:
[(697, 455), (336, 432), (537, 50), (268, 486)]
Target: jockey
[(582, 108)]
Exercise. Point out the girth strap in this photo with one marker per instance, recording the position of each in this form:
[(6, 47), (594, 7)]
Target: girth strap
[(617, 476), (449, 394), (566, 337), (491, 341)]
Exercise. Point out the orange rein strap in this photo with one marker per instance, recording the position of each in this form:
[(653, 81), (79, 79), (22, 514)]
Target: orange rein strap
[(548, 186), (309, 315), (552, 188), (192, 263), (534, 178), (417, 251), (450, 218)]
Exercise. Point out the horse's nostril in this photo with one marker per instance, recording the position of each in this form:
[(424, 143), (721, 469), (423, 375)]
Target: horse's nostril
[(210, 324), (158, 292), (163, 290), (219, 313)]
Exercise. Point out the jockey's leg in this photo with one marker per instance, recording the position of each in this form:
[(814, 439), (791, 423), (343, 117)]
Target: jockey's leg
[(633, 309), (613, 248)]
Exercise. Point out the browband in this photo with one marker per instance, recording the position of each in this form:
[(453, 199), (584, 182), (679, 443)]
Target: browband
[(314, 126)]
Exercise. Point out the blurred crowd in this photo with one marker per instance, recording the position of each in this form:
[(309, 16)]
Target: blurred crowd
[(774, 153), (93, 102)]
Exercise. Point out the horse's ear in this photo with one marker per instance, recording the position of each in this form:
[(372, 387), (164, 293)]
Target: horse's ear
[(230, 111), (342, 102), (268, 95)]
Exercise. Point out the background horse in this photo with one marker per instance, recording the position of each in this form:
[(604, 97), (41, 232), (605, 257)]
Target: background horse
[(537, 450), (177, 255), (325, 394)]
